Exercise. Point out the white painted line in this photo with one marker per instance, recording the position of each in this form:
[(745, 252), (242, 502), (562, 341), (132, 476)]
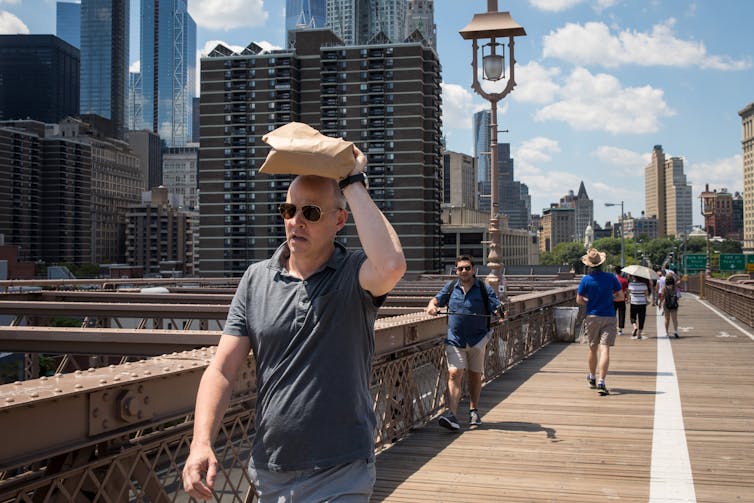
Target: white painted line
[(726, 317), (671, 479)]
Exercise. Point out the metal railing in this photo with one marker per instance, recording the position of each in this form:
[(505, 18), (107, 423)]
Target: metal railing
[(121, 433)]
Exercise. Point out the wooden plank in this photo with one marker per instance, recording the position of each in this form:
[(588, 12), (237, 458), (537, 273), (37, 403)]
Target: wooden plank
[(548, 437)]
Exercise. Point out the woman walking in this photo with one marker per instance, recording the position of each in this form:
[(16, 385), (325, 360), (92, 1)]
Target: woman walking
[(669, 305), (638, 291)]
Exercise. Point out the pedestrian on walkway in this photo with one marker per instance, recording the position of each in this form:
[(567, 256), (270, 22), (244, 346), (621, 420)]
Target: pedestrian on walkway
[(620, 307), (308, 315), (638, 294), (599, 290), (471, 304), (669, 305)]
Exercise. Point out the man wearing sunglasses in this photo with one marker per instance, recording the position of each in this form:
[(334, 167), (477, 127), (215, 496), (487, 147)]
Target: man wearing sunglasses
[(471, 304), (308, 315)]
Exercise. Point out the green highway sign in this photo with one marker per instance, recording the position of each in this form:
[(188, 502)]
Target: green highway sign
[(732, 262), (695, 262)]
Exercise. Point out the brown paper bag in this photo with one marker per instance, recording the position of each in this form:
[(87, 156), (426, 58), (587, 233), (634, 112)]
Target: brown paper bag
[(299, 149)]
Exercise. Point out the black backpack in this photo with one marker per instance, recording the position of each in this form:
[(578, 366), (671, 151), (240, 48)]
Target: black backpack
[(671, 299), (485, 297)]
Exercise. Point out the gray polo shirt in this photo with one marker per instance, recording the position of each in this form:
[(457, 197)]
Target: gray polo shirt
[(313, 341)]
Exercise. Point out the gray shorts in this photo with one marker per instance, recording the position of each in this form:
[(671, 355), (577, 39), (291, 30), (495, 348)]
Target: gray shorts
[(601, 330), (471, 358), (347, 483)]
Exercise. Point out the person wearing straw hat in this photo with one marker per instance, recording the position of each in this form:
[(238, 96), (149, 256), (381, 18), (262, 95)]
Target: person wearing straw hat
[(598, 291)]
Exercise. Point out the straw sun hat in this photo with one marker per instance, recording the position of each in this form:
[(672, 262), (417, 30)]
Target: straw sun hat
[(593, 257)]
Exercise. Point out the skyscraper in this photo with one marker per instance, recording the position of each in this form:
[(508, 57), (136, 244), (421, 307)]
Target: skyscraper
[(39, 78), (383, 97), (668, 195), (481, 131), (515, 201), (747, 147), (168, 69), (68, 23), (360, 21), (654, 189), (104, 60), (421, 16), (302, 15)]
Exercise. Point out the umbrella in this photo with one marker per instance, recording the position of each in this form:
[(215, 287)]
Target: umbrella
[(641, 271)]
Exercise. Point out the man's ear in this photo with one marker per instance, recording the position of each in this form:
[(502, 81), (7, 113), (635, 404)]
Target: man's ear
[(342, 219)]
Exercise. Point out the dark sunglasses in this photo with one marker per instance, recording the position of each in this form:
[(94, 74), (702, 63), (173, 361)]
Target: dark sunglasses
[(311, 212), (463, 268)]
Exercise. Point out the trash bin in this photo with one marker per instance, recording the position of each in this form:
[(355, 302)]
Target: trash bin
[(565, 323)]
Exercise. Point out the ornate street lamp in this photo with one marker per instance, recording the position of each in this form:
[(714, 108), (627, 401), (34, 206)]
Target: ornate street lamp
[(488, 28)]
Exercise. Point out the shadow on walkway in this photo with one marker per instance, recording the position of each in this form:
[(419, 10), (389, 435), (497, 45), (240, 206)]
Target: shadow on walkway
[(396, 464)]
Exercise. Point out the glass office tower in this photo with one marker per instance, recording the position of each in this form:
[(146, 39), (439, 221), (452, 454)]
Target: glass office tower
[(168, 69), (68, 23), (302, 15), (104, 60)]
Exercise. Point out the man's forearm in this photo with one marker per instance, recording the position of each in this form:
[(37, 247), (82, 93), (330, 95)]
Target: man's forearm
[(378, 238), (212, 399)]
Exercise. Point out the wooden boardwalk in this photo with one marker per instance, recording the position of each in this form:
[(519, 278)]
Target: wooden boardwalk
[(547, 437)]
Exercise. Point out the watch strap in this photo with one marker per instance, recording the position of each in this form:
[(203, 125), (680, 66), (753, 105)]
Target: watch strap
[(358, 177)]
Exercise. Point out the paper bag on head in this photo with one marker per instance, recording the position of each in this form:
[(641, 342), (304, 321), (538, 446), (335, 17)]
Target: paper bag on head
[(299, 149)]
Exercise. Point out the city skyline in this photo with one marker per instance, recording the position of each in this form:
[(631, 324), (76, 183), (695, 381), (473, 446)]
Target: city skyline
[(599, 84)]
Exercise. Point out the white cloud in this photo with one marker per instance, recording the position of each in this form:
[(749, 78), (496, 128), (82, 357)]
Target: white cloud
[(536, 83), (561, 5), (228, 14), (598, 102), (722, 173), (594, 44), (135, 67), (10, 2), (535, 151), (554, 5), (622, 157), (456, 103), (11, 25)]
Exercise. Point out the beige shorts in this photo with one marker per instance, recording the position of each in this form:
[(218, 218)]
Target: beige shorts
[(471, 358), (601, 330)]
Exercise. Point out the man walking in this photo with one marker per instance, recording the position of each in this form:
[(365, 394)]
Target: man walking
[(599, 290), (308, 315), (471, 304)]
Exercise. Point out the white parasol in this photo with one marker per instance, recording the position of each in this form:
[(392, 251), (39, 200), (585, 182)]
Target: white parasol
[(641, 271)]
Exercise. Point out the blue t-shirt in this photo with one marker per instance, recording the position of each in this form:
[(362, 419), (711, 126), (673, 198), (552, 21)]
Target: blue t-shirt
[(598, 287), (465, 330)]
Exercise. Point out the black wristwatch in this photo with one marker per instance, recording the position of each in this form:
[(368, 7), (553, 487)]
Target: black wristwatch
[(358, 177)]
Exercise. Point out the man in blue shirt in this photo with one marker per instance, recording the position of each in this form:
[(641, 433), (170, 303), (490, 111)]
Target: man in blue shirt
[(468, 332), (598, 290)]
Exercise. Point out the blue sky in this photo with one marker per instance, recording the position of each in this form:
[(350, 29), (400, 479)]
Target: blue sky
[(599, 84)]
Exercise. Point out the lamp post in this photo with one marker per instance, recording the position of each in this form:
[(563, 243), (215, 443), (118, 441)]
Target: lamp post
[(493, 25), (622, 234)]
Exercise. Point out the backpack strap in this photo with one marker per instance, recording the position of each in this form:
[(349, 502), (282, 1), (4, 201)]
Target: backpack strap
[(486, 299)]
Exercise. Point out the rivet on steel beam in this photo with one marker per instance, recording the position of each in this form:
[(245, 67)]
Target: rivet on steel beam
[(116, 378), (43, 378), (58, 390), (147, 373), (9, 399), (95, 412), (91, 369), (105, 397), (166, 369), (103, 381), (59, 376), (105, 424), (34, 394), (18, 383), (79, 386), (78, 372), (179, 366), (134, 374)]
